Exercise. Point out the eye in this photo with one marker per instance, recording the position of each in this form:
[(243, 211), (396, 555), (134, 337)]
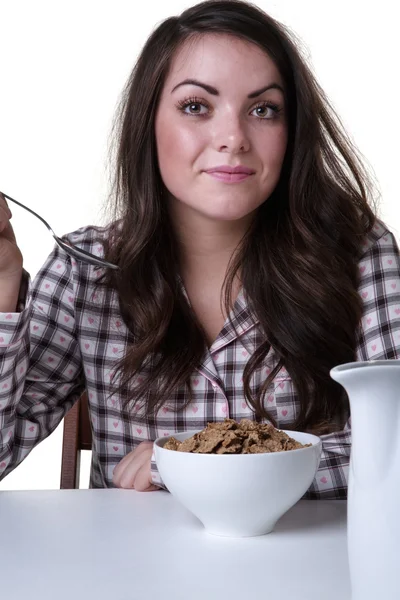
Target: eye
[(193, 106), (266, 110)]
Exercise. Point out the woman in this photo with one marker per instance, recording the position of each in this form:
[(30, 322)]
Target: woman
[(251, 263)]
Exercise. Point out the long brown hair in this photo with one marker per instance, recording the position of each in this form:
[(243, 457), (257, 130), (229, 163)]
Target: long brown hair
[(298, 261)]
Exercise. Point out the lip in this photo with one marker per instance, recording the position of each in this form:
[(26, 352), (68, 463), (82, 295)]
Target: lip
[(231, 170), (229, 177)]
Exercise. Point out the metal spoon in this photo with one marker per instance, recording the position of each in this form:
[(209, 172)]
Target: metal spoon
[(68, 248)]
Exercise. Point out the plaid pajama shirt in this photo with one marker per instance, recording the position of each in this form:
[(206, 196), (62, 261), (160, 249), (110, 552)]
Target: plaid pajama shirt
[(69, 333)]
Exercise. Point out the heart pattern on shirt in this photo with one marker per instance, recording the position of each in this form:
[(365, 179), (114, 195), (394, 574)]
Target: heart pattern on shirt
[(193, 410)]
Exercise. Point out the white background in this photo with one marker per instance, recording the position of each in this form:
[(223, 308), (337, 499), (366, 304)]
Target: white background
[(62, 68)]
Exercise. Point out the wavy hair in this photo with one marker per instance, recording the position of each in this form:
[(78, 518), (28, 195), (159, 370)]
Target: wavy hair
[(298, 261)]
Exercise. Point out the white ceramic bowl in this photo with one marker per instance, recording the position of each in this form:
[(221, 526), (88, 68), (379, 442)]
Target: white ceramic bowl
[(239, 495)]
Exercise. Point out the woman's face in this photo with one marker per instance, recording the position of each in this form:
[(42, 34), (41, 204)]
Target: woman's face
[(225, 117)]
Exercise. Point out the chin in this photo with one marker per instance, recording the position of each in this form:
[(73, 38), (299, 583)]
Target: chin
[(226, 217), (223, 214)]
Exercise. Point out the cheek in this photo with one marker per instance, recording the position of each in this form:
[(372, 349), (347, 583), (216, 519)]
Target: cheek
[(272, 154), (281, 141), (273, 147), (177, 145)]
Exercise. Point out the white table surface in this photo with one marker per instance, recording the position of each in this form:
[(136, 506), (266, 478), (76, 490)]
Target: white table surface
[(125, 545)]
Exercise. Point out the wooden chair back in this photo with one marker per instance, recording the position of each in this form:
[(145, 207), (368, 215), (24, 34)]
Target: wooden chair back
[(77, 436)]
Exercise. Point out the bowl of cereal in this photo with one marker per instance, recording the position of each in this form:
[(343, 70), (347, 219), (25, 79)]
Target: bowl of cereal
[(238, 479)]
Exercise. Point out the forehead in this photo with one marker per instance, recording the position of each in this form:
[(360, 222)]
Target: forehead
[(219, 60)]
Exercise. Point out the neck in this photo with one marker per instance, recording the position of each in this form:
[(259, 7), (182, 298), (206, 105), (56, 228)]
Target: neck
[(205, 244)]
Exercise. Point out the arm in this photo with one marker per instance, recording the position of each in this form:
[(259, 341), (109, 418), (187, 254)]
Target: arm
[(379, 338), (40, 363)]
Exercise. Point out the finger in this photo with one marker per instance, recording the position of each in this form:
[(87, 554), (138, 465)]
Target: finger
[(5, 213), (7, 231), (143, 481), (127, 479), (121, 466), (135, 472), (4, 206)]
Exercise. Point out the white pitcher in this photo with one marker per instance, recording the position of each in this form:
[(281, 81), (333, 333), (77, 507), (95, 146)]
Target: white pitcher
[(373, 529)]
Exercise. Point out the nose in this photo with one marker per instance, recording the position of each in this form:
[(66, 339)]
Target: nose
[(231, 136)]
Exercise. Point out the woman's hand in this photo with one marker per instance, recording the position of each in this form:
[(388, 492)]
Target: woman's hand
[(134, 470), (10, 254), (10, 261)]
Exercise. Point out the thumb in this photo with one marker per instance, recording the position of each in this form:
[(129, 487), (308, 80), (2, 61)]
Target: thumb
[(7, 232)]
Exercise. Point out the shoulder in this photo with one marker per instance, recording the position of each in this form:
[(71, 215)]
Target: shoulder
[(91, 237), (60, 265), (380, 238), (379, 265), (379, 289)]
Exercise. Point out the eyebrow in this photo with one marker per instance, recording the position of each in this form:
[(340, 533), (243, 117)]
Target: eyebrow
[(212, 90)]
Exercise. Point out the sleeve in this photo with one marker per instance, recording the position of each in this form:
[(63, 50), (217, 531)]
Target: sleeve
[(379, 338), (41, 373)]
